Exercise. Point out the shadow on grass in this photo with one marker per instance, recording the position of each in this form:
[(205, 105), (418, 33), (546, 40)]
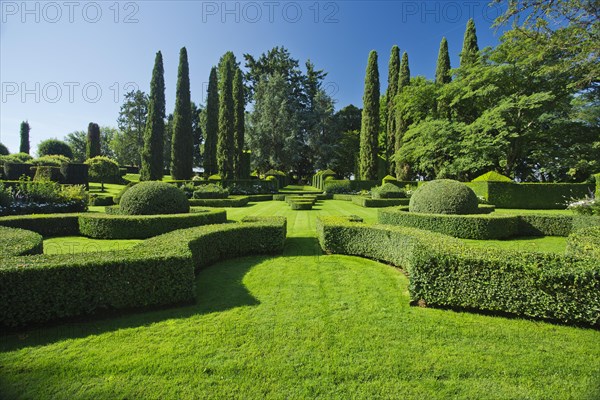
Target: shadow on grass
[(218, 288)]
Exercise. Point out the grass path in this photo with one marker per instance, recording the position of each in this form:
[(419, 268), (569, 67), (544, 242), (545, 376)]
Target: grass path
[(301, 325)]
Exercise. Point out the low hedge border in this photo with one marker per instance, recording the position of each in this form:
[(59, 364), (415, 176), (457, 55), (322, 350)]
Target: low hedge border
[(99, 200), (47, 225), (585, 243), (255, 198), (229, 202), (343, 197), (296, 205), (101, 226), (19, 242), (445, 273), (377, 203), (159, 271)]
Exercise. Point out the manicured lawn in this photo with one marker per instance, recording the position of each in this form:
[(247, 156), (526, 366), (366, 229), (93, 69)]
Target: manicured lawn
[(547, 244), (79, 244), (109, 189), (301, 325)]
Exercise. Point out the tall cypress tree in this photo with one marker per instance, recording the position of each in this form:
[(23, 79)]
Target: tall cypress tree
[(226, 135), (370, 121), (239, 121), (442, 70), (470, 50), (212, 124), (401, 123), (92, 147), (392, 90), (24, 148), (154, 133), (182, 145)]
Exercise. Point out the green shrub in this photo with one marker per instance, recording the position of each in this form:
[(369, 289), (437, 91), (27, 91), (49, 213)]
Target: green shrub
[(75, 174), (545, 225), (240, 201), (444, 196), (103, 169), (51, 161), (297, 205), (445, 273), (387, 191), (255, 198), (347, 186), (117, 198), (492, 176), (388, 179), (215, 177), (13, 171), (19, 242), (151, 198), (16, 158), (143, 226), (251, 186), (585, 243), (47, 173), (480, 227), (377, 203), (4, 150), (99, 200), (160, 271), (343, 197), (46, 225), (44, 197), (279, 197), (210, 191), (51, 147)]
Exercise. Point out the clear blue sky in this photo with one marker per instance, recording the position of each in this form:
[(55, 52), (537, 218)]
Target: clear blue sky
[(63, 65)]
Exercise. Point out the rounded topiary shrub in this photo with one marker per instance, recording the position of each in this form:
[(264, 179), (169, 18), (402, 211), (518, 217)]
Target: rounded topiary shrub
[(444, 196), (147, 198), (210, 191), (387, 191)]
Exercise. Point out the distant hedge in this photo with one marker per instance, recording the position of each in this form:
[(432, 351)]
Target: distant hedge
[(334, 186), (445, 273), (46, 225), (159, 271), (240, 201), (370, 203)]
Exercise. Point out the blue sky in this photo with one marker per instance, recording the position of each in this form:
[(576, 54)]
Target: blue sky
[(65, 64)]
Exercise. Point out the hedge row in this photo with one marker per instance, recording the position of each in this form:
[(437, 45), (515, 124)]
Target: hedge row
[(585, 243), (597, 178), (255, 198), (530, 195), (373, 203), (445, 273), (19, 242), (488, 227), (229, 202), (47, 225), (101, 226), (159, 271), (334, 186)]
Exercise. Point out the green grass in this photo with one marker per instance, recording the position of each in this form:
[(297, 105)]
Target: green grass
[(109, 189), (545, 244), (79, 244), (301, 325)]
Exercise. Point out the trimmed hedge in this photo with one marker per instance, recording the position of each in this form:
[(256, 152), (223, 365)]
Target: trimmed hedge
[(160, 271), (14, 171), (99, 200), (296, 205), (334, 186), (210, 191), (388, 191), (444, 196), (240, 201), (375, 203), (480, 227), (150, 198), (19, 242), (47, 225), (47, 173), (585, 243), (545, 225), (100, 226), (75, 174), (255, 198), (343, 197), (445, 273), (279, 197)]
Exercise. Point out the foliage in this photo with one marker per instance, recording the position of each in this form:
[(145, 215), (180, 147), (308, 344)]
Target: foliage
[(47, 225), (239, 201), (251, 186), (210, 191), (183, 141), (370, 121), (42, 197), (387, 191), (128, 142), (24, 147), (3, 150), (51, 147), (299, 205), (347, 186), (442, 69), (585, 243), (212, 124), (403, 120), (492, 176), (239, 121), (149, 198), (226, 134), (589, 205), (470, 51), (390, 94), (154, 132), (144, 226), (19, 242), (444, 196), (52, 160), (93, 145), (104, 170), (78, 142), (364, 201), (344, 156)]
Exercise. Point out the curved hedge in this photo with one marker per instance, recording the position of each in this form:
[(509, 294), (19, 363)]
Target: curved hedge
[(585, 242), (481, 227), (301, 205), (19, 242), (46, 225), (159, 271), (445, 273), (101, 226)]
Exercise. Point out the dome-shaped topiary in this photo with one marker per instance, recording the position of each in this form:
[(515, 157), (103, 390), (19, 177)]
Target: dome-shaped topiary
[(387, 191), (147, 198), (444, 196)]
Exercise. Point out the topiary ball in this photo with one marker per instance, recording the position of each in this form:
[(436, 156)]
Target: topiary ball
[(387, 191), (147, 198), (444, 196)]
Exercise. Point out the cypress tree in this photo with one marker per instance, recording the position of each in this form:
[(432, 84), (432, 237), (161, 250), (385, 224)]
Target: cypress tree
[(442, 70), (182, 145), (470, 50), (225, 137), (401, 123), (154, 133), (239, 121), (24, 148), (370, 121), (212, 124), (392, 90), (92, 148)]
